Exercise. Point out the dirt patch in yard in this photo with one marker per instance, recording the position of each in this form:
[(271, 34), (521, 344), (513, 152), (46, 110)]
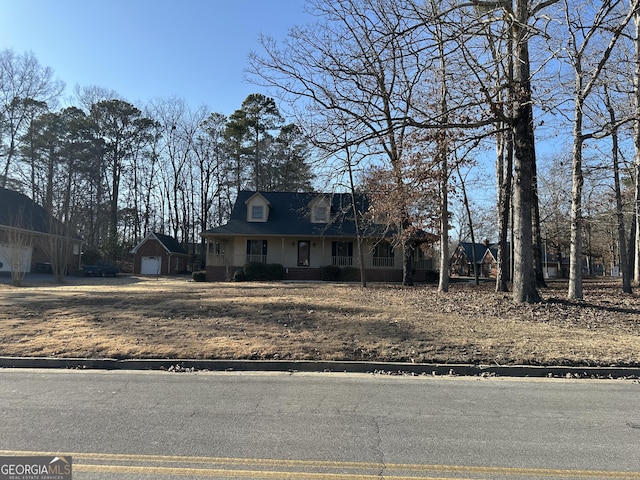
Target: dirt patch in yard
[(138, 317)]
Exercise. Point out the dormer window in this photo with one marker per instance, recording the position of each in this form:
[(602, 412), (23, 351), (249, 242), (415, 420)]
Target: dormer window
[(321, 215), (320, 209), (257, 208), (257, 212)]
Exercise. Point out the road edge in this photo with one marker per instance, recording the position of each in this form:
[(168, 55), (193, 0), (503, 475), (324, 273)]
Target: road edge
[(191, 365)]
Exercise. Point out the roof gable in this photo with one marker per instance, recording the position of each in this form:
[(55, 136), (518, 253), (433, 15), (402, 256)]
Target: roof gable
[(258, 208), (469, 249), (320, 209), (481, 251), (170, 244)]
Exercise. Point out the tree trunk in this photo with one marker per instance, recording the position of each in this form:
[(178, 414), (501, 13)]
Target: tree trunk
[(538, 261), (504, 175), (524, 282), (443, 284), (356, 222), (467, 207), (636, 142), (577, 181), (622, 241)]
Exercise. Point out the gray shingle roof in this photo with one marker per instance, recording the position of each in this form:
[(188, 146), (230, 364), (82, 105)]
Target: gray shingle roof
[(170, 243), (290, 215), (18, 210), (480, 249)]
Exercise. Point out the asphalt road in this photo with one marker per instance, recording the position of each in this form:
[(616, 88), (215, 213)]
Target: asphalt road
[(142, 425)]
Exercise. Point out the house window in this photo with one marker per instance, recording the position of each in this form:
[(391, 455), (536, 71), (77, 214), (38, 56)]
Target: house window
[(342, 253), (321, 214), (383, 255), (304, 251), (257, 251), (216, 253), (257, 212), (215, 248)]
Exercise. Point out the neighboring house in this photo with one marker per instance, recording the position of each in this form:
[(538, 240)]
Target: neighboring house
[(28, 234), (558, 266), (486, 256), (159, 254), (555, 266), (303, 232)]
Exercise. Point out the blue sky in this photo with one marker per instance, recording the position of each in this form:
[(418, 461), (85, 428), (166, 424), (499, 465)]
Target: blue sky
[(145, 49)]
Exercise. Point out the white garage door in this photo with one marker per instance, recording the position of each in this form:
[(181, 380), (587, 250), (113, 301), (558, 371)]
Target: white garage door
[(20, 256), (151, 266)]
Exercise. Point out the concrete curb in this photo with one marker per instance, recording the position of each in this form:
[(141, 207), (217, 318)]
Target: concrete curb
[(188, 365)]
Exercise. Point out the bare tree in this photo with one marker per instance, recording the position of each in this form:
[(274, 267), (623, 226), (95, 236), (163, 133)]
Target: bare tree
[(555, 202), (524, 281), (607, 20), (370, 77), (636, 144), (625, 266)]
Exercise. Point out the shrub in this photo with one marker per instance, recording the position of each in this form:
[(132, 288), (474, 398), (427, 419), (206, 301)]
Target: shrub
[(274, 271), (263, 271), (199, 276), (350, 274), (255, 271), (330, 273), (431, 276), (239, 276)]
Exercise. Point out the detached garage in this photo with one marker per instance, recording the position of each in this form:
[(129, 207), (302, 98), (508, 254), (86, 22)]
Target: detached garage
[(159, 254), (150, 265)]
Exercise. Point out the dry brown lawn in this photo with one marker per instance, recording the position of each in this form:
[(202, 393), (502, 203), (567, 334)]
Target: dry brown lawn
[(137, 317)]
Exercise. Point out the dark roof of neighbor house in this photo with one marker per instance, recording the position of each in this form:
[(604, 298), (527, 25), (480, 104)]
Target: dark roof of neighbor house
[(19, 211), (480, 250), (170, 243), (290, 215)]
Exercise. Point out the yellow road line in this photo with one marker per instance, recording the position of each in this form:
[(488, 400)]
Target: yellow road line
[(300, 465), (267, 474)]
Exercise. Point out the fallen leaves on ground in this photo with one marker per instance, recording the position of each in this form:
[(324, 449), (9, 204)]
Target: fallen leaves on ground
[(139, 317)]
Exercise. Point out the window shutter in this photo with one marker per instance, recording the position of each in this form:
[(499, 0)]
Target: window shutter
[(264, 247)]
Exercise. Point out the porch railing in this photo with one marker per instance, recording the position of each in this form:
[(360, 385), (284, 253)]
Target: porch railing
[(423, 264), (383, 262), (256, 259), (342, 261), (216, 259)]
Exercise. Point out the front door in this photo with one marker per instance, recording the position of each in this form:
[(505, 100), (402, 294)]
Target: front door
[(303, 253)]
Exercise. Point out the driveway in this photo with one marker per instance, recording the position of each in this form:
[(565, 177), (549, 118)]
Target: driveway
[(40, 279)]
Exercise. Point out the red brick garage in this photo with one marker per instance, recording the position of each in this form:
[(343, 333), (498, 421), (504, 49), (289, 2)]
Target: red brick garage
[(159, 254)]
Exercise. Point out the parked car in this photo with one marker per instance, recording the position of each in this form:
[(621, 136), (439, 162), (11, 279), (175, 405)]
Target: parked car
[(100, 270), (43, 267)]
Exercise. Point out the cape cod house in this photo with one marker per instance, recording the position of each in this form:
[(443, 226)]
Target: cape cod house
[(303, 232)]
